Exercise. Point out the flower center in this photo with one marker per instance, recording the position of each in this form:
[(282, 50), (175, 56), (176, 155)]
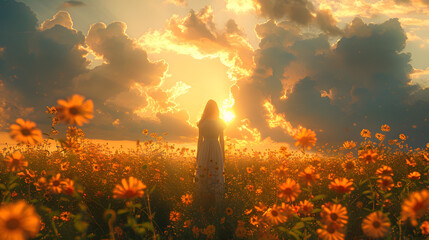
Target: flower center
[(56, 183), (274, 213), (288, 191), (334, 216), (12, 224), (25, 132), (376, 224), (73, 110)]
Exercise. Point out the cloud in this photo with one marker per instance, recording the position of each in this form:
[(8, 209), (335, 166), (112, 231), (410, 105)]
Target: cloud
[(69, 4), (61, 18), (365, 73), (197, 35), (177, 2), (327, 22), (40, 65)]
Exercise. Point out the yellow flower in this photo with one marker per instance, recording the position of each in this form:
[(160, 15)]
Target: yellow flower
[(309, 176), (414, 175), (348, 165), (415, 206), (305, 207), (342, 185), (18, 221), (334, 213), (402, 137), (365, 133), (55, 184), (274, 215), (210, 231), (68, 186), (129, 189), (25, 132), (331, 232), (289, 190), (385, 183), (187, 199), (385, 128), (240, 232), (15, 162), (376, 225), (349, 144), (174, 216), (379, 136), (228, 211), (305, 138), (75, 110), (425, 228), (384, 171), (368, 156)]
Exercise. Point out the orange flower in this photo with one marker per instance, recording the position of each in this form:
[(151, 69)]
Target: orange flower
[(25, 132), (368, 156), (342, 185), (274, 215), (289, 190), (379, 136), (376, 225), (305, 207), (15, 162), (128, 190), (385, 183), (228, 211), (260, 207), (415, 206), (425, 228), (309, 176), (334, 213), (384, 171), (402, 137), (281, 171), (68, 186), (331, 231), (75, 110), (365, 133), (187, 199), (385, 128), (55, 184), (305, 138), (349, 144), (414, 175), (174, 216), (240, 232), (348, 165), (18, 221)]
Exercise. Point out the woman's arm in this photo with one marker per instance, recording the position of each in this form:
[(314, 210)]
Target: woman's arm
[(222, 145), (200, 141)]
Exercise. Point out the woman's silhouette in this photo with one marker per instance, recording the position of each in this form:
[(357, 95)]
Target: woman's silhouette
[(209, 177)]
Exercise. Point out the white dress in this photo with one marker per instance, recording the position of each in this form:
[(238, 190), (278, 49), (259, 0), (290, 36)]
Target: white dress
[(209, 176)]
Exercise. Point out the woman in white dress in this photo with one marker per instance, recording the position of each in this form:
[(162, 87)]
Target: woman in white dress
[(209, 177)]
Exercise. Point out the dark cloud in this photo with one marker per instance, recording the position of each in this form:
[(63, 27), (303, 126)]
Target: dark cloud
[(327, 22), (366, 75), (299, 11), (69, 4), (40, 65)]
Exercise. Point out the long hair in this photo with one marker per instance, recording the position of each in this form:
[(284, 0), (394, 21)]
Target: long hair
[(211, 111)]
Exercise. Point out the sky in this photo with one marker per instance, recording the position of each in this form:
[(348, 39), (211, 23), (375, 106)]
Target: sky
[(273, 66)]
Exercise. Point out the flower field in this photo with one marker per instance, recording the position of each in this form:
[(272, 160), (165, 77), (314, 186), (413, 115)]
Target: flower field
[(376, 188)]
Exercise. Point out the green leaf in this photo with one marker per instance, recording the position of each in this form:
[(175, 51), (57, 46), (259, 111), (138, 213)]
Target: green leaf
[(152, 189), (122, 211), (307, 219), (366, 192), (299, 225), (13, 185), (293, 234), (318, 197), (316, 210), (283, 229), (148, 226), (363, 182), (2, 186)]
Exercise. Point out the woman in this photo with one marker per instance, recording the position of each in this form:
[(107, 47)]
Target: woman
[(210, 158)]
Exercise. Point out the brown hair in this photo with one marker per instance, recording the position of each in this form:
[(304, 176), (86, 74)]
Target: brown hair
[(211, 111)]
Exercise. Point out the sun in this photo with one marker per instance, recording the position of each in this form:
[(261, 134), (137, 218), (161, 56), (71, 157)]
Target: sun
[(228, 116)]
